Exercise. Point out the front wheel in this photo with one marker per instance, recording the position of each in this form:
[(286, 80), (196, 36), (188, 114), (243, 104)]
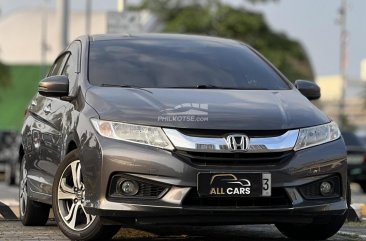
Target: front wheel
[(68, 204), (313, 231)]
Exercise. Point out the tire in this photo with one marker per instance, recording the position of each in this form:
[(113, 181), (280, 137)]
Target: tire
[(68, 196), (31, 213), (12, 174), (363, 186), (313, 231), (349, 194)]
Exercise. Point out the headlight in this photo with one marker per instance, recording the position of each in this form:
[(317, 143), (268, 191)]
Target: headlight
[(317, 135), (147, 135)]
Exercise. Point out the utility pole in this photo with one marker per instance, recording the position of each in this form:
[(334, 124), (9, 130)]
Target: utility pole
[(121, 5), (44, 45), (63, 19), (342, 17), (88, 9)]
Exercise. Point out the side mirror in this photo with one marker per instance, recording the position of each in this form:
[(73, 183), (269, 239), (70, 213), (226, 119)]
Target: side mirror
[(54, 86), (308, 88)]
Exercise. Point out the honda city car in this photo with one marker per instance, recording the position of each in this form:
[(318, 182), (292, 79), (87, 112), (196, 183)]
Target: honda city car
[(161, 129)]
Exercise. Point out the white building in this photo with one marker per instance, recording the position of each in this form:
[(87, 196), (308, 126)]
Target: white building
[(21, 32), (331, 90)]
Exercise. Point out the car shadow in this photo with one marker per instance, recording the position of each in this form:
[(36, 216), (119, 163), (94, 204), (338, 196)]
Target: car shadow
[(201, 233), (197, 233)]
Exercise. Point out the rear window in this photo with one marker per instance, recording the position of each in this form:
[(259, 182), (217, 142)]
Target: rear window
[(161, 63)]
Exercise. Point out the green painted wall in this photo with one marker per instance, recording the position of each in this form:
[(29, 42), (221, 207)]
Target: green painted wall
[(15, 97)]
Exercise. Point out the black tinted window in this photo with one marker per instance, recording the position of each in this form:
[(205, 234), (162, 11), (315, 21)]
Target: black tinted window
[(160, 63)]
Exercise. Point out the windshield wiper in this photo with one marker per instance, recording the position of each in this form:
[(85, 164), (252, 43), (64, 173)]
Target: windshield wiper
[(200, 87), (213, 87), (125, 86)]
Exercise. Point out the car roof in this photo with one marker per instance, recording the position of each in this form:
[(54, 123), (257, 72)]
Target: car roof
[(161, 36)]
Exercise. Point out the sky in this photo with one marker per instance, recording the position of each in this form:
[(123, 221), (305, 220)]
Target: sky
[(312, 22)]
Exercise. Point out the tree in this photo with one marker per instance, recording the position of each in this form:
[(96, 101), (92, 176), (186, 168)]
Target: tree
[(214, 18), (4, 76)]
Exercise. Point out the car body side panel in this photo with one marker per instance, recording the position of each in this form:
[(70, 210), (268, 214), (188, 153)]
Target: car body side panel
[(55, 128), (90, 151), (37, 140)]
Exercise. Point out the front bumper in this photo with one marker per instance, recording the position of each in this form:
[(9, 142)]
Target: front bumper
[(161, 166), (149, 214)]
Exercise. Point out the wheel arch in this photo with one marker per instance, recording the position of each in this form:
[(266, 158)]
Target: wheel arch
[(71, 146), (72, 143), (21, 153)]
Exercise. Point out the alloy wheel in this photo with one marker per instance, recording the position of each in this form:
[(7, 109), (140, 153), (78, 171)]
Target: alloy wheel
[(23, 194), (71, 198)]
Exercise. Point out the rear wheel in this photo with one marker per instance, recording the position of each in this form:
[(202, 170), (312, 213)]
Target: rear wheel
[(31, 213), (68, 204), (9, 174), (349, 194), (12, 174), (363, 186)]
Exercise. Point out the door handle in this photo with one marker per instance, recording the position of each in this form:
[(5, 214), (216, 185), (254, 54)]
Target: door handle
[(47, 109)]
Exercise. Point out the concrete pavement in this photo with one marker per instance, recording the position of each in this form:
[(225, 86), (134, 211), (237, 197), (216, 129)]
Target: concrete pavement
[(14, 230), (358, 200), (9, 205)]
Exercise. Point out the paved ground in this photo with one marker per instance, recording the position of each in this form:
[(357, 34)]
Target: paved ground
[(14, 230), (357, 195)]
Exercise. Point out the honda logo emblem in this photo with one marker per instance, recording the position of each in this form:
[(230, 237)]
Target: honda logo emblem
[(237, 142)]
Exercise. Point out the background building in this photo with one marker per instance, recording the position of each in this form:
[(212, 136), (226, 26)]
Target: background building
[(355, 101), (25, 30)]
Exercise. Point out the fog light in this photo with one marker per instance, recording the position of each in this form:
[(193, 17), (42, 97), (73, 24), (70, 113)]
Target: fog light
[(326, 188), (129, 188)]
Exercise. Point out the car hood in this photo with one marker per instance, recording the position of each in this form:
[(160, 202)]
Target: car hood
[(206, 108)]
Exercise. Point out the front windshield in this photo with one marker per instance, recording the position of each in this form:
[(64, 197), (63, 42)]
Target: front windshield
[(179, 63)]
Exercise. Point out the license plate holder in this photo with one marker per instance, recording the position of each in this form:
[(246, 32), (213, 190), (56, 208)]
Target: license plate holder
[(234, 184)]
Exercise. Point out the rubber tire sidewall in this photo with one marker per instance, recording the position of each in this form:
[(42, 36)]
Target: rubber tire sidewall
[(9, 174), (363, 186)]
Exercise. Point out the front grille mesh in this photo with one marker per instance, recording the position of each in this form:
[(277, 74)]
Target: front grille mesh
[(234, 159), (149, 190)]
